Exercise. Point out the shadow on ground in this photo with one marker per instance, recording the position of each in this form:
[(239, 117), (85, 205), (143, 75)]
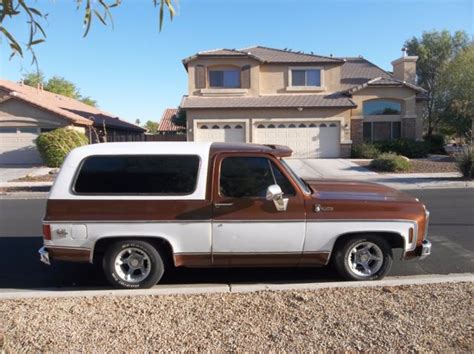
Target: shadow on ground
[(25, 271)]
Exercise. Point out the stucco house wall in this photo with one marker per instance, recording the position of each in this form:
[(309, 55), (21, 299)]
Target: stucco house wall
[(346, 84)]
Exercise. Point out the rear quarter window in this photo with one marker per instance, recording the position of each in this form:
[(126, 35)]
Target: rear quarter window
[(138, 174)]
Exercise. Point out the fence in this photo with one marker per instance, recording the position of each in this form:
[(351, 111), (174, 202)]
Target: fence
[(157, 137)]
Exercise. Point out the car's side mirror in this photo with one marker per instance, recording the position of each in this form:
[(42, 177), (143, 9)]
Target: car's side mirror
[(275, 193)]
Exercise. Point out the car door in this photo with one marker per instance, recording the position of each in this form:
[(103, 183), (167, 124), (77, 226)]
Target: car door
[(247, 229)]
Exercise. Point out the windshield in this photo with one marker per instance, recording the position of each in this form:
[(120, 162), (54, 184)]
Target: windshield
[(300, 182)]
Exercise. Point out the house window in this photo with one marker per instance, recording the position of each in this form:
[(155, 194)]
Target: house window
[(306, 77), (138, 174), (381, 107), (224, 78), (381, 131)]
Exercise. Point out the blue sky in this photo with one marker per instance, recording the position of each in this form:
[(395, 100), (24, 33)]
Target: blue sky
[(134, 71)]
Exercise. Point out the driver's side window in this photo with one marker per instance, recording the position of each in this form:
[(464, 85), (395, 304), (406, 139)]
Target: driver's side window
[(250, 177)]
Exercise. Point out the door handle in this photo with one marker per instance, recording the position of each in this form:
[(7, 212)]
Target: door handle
[(222, 205)]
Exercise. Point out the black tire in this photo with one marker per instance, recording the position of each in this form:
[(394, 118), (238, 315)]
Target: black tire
[(151, 261), (342, 258)]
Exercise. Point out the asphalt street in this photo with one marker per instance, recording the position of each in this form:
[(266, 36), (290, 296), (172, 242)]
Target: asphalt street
[(451, 232)]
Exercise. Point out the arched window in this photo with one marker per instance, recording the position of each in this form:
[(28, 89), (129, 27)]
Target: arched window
[(203, 127), (323, 125), (381, 107), (215, 127), (302, 125), (292, 126), (238, 126), (226, 126), (260, 126), (312, 125), (281, 126), (271, 126), (333, 125)]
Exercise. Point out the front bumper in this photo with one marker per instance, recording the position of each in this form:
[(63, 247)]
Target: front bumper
[(425, 249), (44, 255)]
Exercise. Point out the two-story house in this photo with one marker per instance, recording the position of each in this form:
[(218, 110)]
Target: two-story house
[(319, 106)]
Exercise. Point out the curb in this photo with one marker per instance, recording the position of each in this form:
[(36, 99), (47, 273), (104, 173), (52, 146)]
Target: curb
[(195, 289)]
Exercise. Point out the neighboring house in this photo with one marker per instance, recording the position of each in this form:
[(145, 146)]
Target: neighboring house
[(167, 126), (25, 112), (317, 105)]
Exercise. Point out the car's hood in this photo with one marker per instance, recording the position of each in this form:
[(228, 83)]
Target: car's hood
[(334, 189)]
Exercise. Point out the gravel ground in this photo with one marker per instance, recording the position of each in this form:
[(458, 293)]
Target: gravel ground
[(424, 166), (435, 317)]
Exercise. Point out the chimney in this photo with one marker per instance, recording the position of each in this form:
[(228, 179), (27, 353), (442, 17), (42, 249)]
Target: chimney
[(404, 68)]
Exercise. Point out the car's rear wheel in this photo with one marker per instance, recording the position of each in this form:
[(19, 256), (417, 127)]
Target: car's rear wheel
[(363, 258), (133, 264)]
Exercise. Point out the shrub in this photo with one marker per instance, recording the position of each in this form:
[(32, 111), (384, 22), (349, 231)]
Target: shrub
[(436, 143), (53, 146), (390, 162), (409, 148), (465, 162), (364, 151)]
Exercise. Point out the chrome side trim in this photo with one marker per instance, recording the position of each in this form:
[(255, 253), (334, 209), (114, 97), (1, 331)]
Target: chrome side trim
[(165, 221)]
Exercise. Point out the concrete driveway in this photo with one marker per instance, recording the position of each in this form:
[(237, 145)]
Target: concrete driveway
[(329, 168), (11, 172)]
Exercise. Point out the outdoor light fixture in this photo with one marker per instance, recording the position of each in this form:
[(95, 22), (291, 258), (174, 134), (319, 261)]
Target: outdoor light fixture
[(299, 109)]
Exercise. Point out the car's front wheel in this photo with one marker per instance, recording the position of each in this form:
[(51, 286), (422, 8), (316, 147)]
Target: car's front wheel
[(133, 264), (363, 258)]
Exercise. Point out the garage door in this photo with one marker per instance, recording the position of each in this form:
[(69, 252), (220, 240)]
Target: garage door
[(217, 132), (17, 145), (306, 139)]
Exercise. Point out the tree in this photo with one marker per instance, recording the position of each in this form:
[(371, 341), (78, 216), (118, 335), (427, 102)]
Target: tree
[(457, 85), (179, 119), (435, 50), (88, 101), (59, 85), (19, 9), (151, 127), (33, 79)]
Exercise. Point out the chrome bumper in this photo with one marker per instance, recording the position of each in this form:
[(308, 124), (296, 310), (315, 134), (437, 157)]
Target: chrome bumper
[(44, 255), (425, 249)]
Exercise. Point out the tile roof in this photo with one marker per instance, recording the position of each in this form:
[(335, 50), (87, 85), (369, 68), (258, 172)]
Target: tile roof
[(333, 100), (267, 55), (166, 122), (70, 109), (272, 55), (384, 82), (357, 71)]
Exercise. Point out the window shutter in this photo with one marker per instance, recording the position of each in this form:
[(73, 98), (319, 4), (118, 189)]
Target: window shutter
[(200, 76), (245, 76)]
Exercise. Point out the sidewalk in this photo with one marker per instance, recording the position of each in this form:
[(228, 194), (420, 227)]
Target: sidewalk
[(10, 172)]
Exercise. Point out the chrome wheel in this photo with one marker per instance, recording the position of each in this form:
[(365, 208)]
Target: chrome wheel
[(365, 259), (132, 265)]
